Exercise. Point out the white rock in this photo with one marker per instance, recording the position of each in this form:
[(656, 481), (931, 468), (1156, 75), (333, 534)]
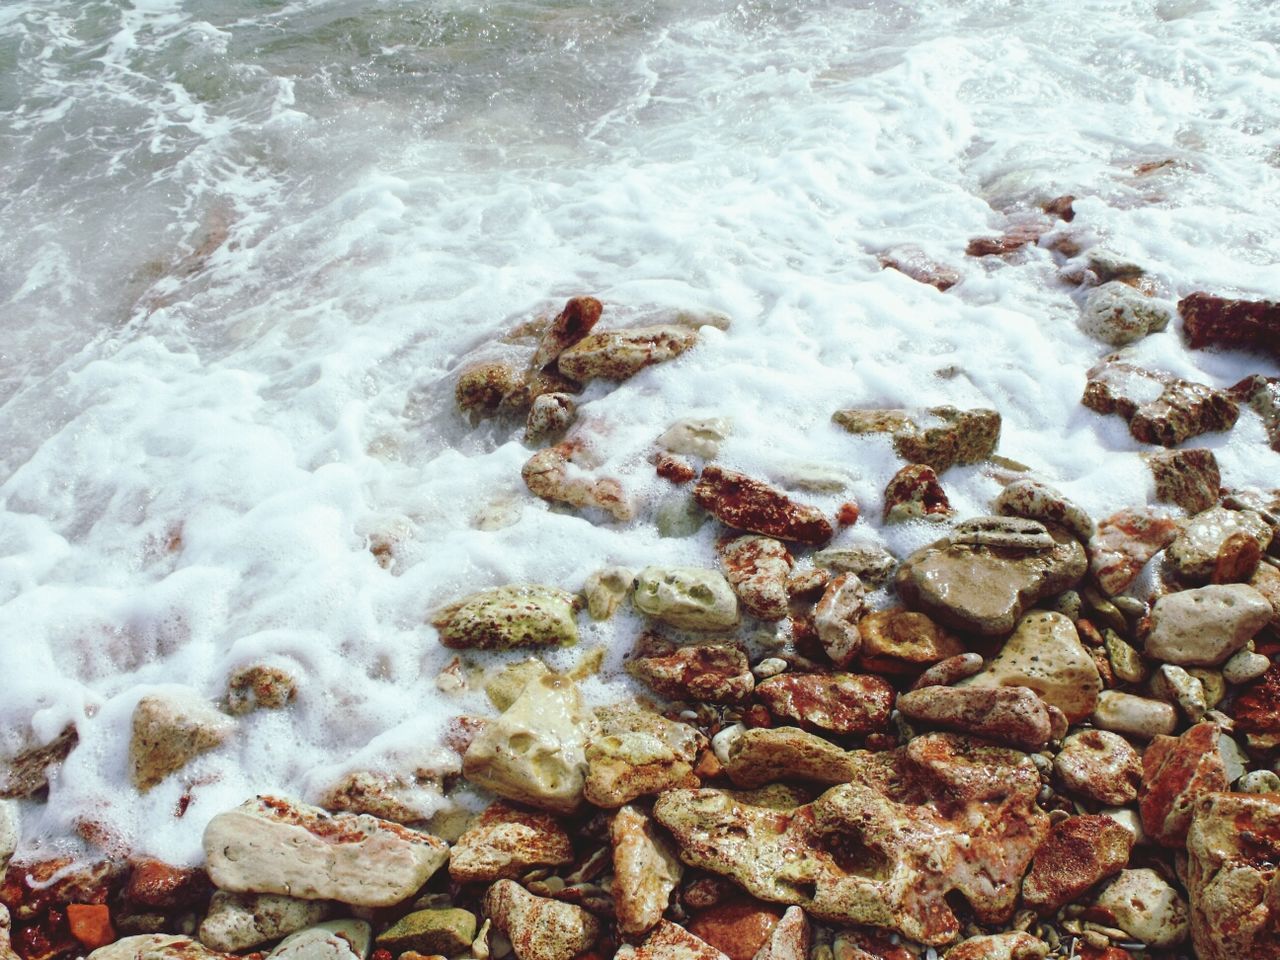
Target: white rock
[(239, 921), (1258, 781), (8, 831), (154, 946), (1205, 626), (1245, 665), (1147, 908), (1175, 685), (270, 845), (1194, 551), (1134, 716), (1117, 314), (645, 871), (696, 438), (335, 940), (724, 739), (170, 730)]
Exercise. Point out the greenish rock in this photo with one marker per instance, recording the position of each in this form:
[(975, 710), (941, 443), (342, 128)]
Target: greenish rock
[(690, 598), (679, 516), (1126, 662), (517, 615), (445, 932)]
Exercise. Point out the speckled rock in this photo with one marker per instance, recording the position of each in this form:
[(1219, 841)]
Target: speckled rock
[(562, 474), (539, 928), (505, 618), (696, 437), (1039, 501), (899, 641), (347, 939), (768, 754), (1263, 395), (950, 671), (914, 493), (1117, 314), (8, 832), (757, 569), (1079, 852), (1008, 533), (836, 617), (913, 848), (645, 871), (737, 926), (481, 387), (714, 672), (270, 845), (151, 946), (1146, 907), (670, 942), (832, 702), (1194, 550), (1189, 478), (1205, 626), (169, 730), (872, 564), (790, 939), (987, 589), (1000, 946), (621, 354), (1256, 708), (744, 503), (260, 686), (505, 843), (689, 598), (1175, 685), (445, 931), (606, 589), (1134, 716), (940, 437), (1209, 320), (1233, 850), (1237, 561), (27, 772), (534, 752), (412, 793), (1124, 543), (1010, 715), (1160, 408), (550, 417), (573, 323), (1176, 773), (240, 921), (1099, 765), (634, 753)]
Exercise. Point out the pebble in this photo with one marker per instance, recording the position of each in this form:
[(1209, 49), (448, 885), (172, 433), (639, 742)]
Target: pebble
[(1194, 551), (1259, 781), (1245, 665), (689, 598), (1182, 689), (1100, 765), (8, 832), (1117, 314), (1012, 715), (1205, 626), (1146, 908), (946, 672), (1134, 716), (769, 667)]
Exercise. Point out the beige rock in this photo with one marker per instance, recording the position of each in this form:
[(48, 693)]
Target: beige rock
[(1039, 501), (902, 641), (1174, 685), (715, 672), (413, 792), (872, 564), (1194, 550), (1205, 626), (1134, 716), (336, 940), (1117, 314), (1012, 715), (560, 474), (154, 946), (240, 921), (1144, 906), (696, 438), (1099, 765), (6, 929), (1000, 946), (836, 618), (511, 616), (950, 671), (1245, 665), (1010, 533), (573, 323), (621, 354), (550, 416), (534, 752), (1045, 654), (766, 754), (633, 753), (757, 568), (505, 843), (689, 598), (645, 871), (606, 589), (260, 686), (8, 832), (169, 731), (539, 928)]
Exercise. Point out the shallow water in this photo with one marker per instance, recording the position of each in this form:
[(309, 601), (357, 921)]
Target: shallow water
[(243, 246)]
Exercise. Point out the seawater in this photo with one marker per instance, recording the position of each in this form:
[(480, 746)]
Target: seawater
[(245, 245)]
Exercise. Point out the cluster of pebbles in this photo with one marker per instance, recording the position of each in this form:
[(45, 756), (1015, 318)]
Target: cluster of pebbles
[(1039, 736)]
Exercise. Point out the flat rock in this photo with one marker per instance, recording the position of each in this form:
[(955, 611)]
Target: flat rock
[(621, 354), (670, 942), (539, 928), (1143, 905), (767, 754), (1009, 715), (1134, 716), (448, 932), (841, 703), (714, 672), (900, 641), (170, 730), (939, 437), (347, 939), (1212, 321), (1176, 773), (741, 502), (155, 946), (757, 569), (1101, 766), (1079, 852), (1159, 408), (1189, 478), (645, 871), (1194, 551), (1038, 501), (507, 842), (1205, 626), (505, 618), (689, 598), (241, 921), (634, 753), (1000, 946), (1124, 543)]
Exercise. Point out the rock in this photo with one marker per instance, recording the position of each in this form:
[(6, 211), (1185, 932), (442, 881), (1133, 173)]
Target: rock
[(1117, 314), (987, 589), (606, 589), (559, 474), (1233, 848), (538, 928), (1205, 626), (155, 946), (1159, 408), (670, 942), (444, 931), (1038, 501), (1010, 715), (909, 847), (757, 569), (1126, 662), (1010, 533), (1174, 685), (169, 731), (481, 387), (950, 671), (790, 938), (1124, 543), (550, 417), (768, 754), (871, 564), (505, 843), (914, 493), (841, 703), (1079, 852), (915, 264), (836, 618), (1000, 946), (635, 753), (939, 437), (6, 944), (739, 928), (621, 354), (335, 940), (743, 503), (1133, 716), (510, 617), (1145, 907), (272, 845), (1259, 781), (711, 672), (1045, 654), (645, 872), (1194, 551), (1209, 321), (405, 796), (260, 686), (27, 772), (1176, 773), (162, 886), (1263, 395), (1101, 766), (9, 832), (1013, 240), (573, 323), (1237, 560), (237, 922), (696, 438), (1256, 709), (689, 598), (503, 686), (869, 944), (900, 641), (534, 752), (1189, 478)]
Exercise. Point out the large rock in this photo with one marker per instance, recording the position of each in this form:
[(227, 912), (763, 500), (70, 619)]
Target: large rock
[(505, 843), (767, 754), (634, 753), (741, 502), (1117, 314), (942, 814), (504, 618), (1010, 715), (939, 437), (445, 931), (1159, 408), (985, 589), (272, 845), (1210, 321), (1205, 626), (645, 871), (714, 672), (1099, 765), (561, 474), (1124, 543), (1194, 551), (621, 354), (1143, 905), (899, 641), (1038, 501), (689, 598), (155, 946), (1079, 852), (346, 939), (539, 928), (169, 731), (1176, 773), (241, 921), (840, 703), (1233, 849), (757, 568)]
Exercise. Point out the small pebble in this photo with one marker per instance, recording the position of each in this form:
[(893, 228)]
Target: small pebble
[(1245, 666), (769, 667)]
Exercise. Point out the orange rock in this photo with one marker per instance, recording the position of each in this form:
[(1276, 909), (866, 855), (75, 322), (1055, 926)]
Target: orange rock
[(1237, 559), (1176, 772), (901, 641), (156, 884), (738, 928), (832, 702), (1257, 708), (743, 503), (90, 923), (1078, 852)]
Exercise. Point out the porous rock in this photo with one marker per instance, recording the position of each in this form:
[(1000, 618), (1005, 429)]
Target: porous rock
[(634, 753), (539, 928), (645, 871), (689, 598), (1117, 314), (621, 354), (714, 672), (1189, 478), (939, 437), (1205, 626), (757, 568), (741, 502), (1010, 715), (914, 493), (1194, 551), (841, 703), (1079, 852), (1143, 905), (1124, 543), (560, 474), (550, 416), (768, 754), (899, 641), (1099, 765), (1039, 501), (260, 686), (1159, 408), (836, 617), (509, 617), (169, 730), (606, 589), (1176, 773), (506, 842), (442, 931), (573, 323), (241, 921)]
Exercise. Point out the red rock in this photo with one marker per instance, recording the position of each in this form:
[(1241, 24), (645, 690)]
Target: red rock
[(920, 268), (869, 945), (1237, 559), (1216, 321), (914, 493), (1124, 543), (668, 941), (573, 323), (506, 842), (832, 702), (673, 468), (1183, 408), (90, 923), (743, 503), (1087, 952), (1257, 708), (1263, 395), (155, 884), (1176, 772), (847, 514), (1189, 478), (714, 672), (1015, 238), (1079, 852), (738, 928), (757, 568), (1061, 207)]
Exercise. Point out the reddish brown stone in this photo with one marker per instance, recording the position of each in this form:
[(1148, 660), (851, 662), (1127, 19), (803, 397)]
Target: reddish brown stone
[(1237, 559), (1189, 478), (1176, 772), (505, 842), (847, 514), (1218, 322), (738, 928), (161, 886), (757, 568), (920, 268), (673, 468), (832, 702), (1078, 852), (1257, 708), (1015, 238), (1124, 543), (1183, 409), (901, 641), (870, 945), (914, 493), (714, 672), (1263, 395), (738, 501), (1061, 207), (573, 323)]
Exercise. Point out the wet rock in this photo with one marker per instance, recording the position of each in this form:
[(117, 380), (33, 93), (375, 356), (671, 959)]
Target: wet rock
[(645, 871), (1259, 781), (539, 928), (1013, 240), (872, 564), (712, 672), (1145, 907), (162, 886), (689, 598), (1000, 946), (1039, 501), (1133, 716), (1189, 478), (1010, 715), (634, 753), (670, 942), (738, 927), (1176, 686), (241, 921), (534, 752), (260, 686), (550, 416), (1233, 848), (6, 943), (915, 264), (481, 387), (1099, 765), (836, 618), (986, 589), (1159, 408), (169, 731), (1117, 314), (606, 589), (407, 796), (768, 754), (1124, 543), (271, 845), (621, 354), (743, 503), (1245, 666), (1209, 321), (950, 671), (573, 323), (505, 843), (1008, 533), (757, 568), (27, 772), (1237, 560), (446, 932), (510, 617), (939, 437), (347, 939), (696, 438), (1194, 551), (790, 938), (1262, 394), (832, 702), (560, 474), (1045, 654), (1176, 773), (914, 493), (155, 946), (1205, 626), (899, 641), (1079, 852), (943, 813), (1256, 709), (8, 832)]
